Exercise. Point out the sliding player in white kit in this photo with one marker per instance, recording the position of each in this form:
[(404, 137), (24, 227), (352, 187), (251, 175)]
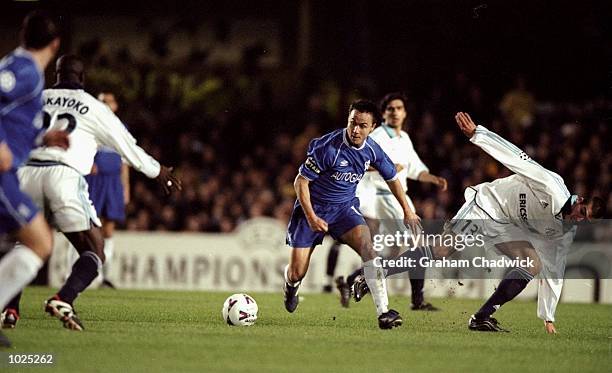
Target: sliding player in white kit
[(54, 178), (522, 217), (382, 212)]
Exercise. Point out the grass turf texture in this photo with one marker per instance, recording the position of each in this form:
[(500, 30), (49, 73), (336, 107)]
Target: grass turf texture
[(155, 331)]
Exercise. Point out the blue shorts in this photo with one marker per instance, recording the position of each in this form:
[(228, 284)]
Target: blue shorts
[(340, 219), (106, 194), (16, 208)]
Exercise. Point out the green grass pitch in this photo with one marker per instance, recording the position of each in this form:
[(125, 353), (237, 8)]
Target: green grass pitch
[(155, 331)]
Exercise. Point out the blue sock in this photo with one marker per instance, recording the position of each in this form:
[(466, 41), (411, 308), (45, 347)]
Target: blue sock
[(84, 271)]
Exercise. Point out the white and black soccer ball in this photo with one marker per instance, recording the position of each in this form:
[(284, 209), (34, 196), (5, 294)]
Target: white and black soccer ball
[(240, 310)]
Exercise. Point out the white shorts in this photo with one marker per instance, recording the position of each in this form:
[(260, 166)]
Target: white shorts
[(390, 213), (61, 192), (472, 219), (367, 199)]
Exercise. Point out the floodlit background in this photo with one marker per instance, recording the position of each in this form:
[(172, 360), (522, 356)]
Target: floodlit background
[(231, 92)]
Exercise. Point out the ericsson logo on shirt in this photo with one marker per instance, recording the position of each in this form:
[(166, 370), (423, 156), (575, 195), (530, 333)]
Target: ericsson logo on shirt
[(523, 206)]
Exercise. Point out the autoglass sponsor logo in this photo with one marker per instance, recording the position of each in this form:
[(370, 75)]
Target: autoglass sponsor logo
[(350, 177)]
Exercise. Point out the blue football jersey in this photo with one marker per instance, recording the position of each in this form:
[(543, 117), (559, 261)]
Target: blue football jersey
[(334, 167), (21, 119)]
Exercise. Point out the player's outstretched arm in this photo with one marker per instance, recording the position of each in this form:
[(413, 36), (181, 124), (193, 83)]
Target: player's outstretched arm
[(466, 124), (513, 158), (303, 194), (115, 135), (439, 181)]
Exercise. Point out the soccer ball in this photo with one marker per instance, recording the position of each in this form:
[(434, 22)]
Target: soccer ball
[(240, 310)]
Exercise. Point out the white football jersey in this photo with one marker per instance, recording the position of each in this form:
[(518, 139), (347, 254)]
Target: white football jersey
[(401, 151), (91, 125), (532, 197)]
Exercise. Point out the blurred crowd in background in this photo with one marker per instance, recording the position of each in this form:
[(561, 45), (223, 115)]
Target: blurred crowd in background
[(237, 136)]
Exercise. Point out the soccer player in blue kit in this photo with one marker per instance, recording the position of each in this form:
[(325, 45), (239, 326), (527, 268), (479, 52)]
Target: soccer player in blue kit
[(21, 123), (326, 203), (109, 190)]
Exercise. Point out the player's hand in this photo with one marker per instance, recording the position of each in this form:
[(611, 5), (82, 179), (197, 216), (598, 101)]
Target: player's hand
[(413, 221), (94, 170), (550, 327), (317, 224), (6, 157), (466, 124), (56, 138), (441, 183), (168, 181)]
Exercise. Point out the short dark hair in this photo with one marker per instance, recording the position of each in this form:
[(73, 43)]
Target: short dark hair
[(598, 207), (390, 97), (366, 106), (69, 67), (38, 30)]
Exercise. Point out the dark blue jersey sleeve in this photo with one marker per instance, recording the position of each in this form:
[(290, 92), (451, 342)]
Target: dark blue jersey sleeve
[(20, 103), (2, 132), (317, 159), (19, 83), (382, 163)]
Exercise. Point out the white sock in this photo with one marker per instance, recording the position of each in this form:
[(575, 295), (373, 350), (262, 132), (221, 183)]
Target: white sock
[(290, 283), (330, 280), (375, 278), (17, 269), (109, 249)]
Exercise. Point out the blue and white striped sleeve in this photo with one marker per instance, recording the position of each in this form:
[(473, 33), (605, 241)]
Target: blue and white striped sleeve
[(19, 84)]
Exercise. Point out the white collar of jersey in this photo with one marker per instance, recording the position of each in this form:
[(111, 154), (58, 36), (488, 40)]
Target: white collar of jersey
[(390, 131), (344, 136), (22, 52)]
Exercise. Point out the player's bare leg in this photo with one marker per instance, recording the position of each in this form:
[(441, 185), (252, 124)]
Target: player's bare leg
[(90, 246), (512, 285), (294, 273), (108, 230), (360, 240)]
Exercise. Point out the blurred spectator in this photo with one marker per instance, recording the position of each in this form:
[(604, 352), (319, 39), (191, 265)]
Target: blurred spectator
[(518, 105), (238, 160)]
